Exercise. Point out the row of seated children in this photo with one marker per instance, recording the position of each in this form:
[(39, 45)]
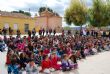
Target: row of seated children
[(18, 63)]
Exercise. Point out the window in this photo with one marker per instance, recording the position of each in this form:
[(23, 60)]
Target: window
[(15, 26), (6, 25)]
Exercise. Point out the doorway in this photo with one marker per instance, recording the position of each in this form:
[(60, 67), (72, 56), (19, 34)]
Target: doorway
[(26, 27)]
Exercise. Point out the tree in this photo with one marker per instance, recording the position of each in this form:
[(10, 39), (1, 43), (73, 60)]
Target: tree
[(76, 13), (23, 12), (41, 9), (107, 14), (27, 13), (68, 16), (98, 14)]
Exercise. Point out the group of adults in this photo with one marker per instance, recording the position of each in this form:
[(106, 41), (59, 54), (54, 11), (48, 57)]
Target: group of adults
[(42, 31)]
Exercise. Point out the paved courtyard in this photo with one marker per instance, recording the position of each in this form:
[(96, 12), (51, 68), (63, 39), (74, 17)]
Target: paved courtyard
[(97, 64)]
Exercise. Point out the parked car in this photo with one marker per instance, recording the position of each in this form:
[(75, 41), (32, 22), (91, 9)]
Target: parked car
[(2, 45)]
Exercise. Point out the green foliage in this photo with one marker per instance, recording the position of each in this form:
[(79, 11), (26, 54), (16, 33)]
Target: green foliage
[(41, 9), (20, 11), (99, 13), (76, 13), (107, 14), (27, 13), (68, 17)]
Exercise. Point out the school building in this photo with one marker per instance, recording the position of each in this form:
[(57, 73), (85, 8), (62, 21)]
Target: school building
[(46, 20)]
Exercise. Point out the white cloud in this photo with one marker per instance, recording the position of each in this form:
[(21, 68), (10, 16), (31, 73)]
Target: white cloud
[(58, 5), (15, 4)]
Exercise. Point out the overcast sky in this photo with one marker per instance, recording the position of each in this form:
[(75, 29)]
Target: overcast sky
[(58, 6)]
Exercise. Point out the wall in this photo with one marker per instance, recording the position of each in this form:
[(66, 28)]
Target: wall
[(53, 22), (38, 22), (20, 21), (41, 22)]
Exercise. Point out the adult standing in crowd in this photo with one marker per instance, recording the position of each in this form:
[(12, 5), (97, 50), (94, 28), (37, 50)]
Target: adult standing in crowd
[(69, 32), (4, 31), (0, 31), (40, 32), (10, 31), (54, 31), (50, 31), (43, 31), (47, 32), (18, 33), (29, 33), (63, 32), (34, 32)]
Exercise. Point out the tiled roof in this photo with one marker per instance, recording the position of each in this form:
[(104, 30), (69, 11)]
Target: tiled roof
[(47, 13), (11, 14)]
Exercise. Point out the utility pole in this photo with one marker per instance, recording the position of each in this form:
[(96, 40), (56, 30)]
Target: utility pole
[(29, 10)]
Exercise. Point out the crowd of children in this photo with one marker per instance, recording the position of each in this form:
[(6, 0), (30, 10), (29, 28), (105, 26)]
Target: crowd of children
[(52, 52)]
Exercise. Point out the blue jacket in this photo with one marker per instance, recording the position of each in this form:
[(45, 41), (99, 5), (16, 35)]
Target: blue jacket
[(13, 69)]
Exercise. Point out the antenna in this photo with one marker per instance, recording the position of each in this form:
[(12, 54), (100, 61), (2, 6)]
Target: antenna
[(46, 8), (29, 10)]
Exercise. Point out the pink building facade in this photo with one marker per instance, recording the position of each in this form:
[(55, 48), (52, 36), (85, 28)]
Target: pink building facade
[(48, 20)]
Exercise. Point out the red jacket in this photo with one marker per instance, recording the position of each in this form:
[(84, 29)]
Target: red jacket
[(54, 62), (46, 51), (46, 64), (8, 61)]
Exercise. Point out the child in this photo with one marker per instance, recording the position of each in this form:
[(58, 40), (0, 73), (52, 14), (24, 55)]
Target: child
[(68, 50), (94, 50), (82, 53), (23, 61), (8, 57), (86, 51), (46, 51), (14, 66), (66, 66), (38, 57), (74, 61), (78, 54), (46, 64), (31, 67), (54, 60)]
